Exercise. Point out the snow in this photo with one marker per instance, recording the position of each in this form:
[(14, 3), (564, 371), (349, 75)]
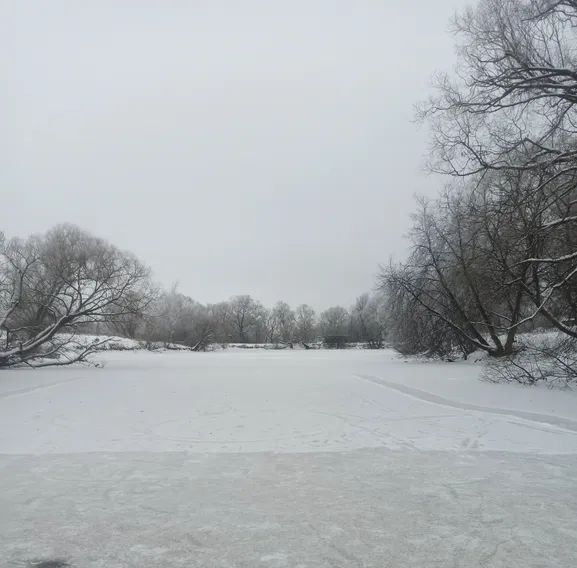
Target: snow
[(116, 343), (113, 342), (284, 458)]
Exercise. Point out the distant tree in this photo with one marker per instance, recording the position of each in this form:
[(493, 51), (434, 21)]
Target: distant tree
[(178, 319), (270, 325), (258, 330), (285, 322), (222, 319), (305, 324), (334, 325), (334, 321), (368, 317), (247, 316)]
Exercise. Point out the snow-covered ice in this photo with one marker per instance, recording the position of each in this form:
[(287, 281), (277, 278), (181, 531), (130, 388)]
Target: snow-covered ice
[(284, 458)]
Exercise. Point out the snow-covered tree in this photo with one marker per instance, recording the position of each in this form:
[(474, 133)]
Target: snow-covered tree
[(52, 284)]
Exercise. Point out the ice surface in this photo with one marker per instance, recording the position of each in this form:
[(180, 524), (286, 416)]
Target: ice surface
[(284, 458)]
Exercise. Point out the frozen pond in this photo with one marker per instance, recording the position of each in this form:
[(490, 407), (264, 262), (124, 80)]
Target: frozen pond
[(304, 458)]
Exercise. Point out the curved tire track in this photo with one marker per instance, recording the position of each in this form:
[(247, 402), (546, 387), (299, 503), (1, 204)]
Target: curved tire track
[(563, 423)]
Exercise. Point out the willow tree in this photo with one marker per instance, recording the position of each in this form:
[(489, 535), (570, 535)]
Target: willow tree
[(52, 284)]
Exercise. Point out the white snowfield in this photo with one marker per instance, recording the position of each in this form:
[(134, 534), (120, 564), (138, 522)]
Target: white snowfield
[(250, 458)]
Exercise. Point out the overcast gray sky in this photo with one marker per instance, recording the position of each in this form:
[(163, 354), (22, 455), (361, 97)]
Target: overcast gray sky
[(238, 147)]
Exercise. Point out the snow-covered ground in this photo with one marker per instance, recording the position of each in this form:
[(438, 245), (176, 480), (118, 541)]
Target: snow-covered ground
[(284, 458)]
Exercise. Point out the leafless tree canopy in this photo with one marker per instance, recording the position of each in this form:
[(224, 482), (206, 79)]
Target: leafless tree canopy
[(496, 252), (52, 284), (174, 318)]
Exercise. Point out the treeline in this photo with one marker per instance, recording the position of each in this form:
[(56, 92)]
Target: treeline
[(56, 286), (173, 317), (496, 252)]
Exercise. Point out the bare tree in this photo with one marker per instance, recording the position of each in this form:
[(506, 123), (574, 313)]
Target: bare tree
[(222, 319), (247, 316), (468, 266), (497, 251), (174, 318), (511, 109), (368, 320), (305, 323), (511, 105), (284, 319), (53, 284), (334, 325), (270, 325), (17, 259)]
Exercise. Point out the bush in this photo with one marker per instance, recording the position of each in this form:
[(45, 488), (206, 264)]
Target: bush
[(544, 358)]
